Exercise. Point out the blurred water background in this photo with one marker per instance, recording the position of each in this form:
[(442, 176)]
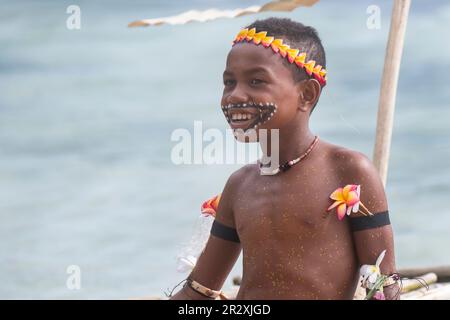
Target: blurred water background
[(86, 116)]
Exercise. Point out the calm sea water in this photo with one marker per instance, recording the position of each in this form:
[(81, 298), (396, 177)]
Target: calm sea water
[(86, 116)]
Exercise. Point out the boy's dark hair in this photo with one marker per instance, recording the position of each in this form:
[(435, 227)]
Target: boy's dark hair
[(297, 36)]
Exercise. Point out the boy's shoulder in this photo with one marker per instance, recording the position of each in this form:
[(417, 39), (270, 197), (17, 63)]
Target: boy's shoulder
[(241, 177), (243, 173), (348, 161), (355, 167)]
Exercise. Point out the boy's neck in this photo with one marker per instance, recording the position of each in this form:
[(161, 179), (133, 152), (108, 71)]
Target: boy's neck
[(293, 142)]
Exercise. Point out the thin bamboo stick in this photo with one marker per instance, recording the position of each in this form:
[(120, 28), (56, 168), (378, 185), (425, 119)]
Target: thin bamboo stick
[(388, 89), (413, 284)]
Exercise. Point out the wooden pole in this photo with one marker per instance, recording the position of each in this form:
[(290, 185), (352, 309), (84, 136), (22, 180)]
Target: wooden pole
[(388, 89)]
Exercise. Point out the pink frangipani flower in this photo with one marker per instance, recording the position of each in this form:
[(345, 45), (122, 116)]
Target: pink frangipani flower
[(347, 200)]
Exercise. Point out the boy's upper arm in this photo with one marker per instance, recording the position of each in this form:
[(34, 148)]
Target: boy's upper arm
[(370, 242), (219, 255), (225, 213), (360, 170)]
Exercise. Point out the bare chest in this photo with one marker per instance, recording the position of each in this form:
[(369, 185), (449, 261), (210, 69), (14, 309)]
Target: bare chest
[(285, 206)]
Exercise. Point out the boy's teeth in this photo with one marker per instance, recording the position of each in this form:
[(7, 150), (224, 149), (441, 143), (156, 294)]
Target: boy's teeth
[(241, 116)]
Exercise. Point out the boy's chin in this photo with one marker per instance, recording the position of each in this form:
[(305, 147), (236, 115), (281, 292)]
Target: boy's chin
[(248, 136)]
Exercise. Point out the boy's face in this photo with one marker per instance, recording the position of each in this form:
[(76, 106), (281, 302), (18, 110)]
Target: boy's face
[(257, 77)]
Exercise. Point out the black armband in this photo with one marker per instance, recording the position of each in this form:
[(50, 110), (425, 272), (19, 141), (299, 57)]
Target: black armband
[(370, 222), (224, 232)]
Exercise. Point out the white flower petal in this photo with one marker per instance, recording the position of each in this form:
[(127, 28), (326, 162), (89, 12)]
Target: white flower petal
[(373, 278), (356, 207), (186, 263), (365, 270), (380, 258)]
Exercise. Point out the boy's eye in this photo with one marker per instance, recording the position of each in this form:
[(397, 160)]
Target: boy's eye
[(228, 82), (256, 81)]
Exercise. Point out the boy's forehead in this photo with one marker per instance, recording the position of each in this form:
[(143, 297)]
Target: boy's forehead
[(247, 56)]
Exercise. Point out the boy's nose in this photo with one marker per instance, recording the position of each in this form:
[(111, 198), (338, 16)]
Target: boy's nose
[(238, 95)]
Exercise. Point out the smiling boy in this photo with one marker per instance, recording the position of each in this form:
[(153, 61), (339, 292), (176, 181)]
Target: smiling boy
[(294, 245)]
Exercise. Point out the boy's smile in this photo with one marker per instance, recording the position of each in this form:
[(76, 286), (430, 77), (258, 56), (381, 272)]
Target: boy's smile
[(249, 115)]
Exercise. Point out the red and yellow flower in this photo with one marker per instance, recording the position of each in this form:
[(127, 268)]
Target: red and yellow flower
[(209, 207), (347, 200)]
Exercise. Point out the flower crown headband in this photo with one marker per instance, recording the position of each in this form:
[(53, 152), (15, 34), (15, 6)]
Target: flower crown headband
[(293, 55)]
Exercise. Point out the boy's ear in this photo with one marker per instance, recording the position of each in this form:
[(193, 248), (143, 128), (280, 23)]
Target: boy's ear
[(309, 93)]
